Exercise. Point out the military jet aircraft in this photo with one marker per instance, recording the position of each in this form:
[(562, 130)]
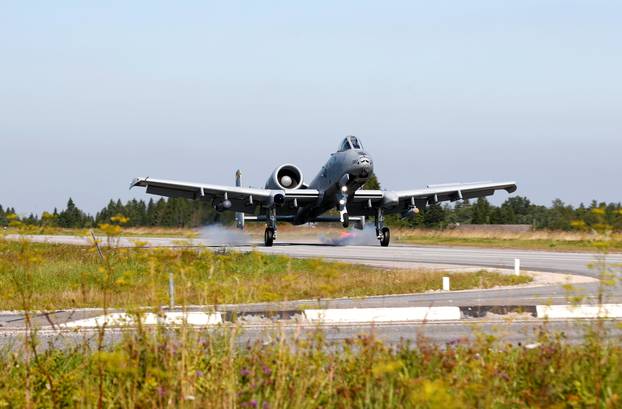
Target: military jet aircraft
[(286, 197)]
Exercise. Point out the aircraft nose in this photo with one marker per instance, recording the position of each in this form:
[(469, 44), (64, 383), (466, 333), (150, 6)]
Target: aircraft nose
[(365, 166), (364, 162)]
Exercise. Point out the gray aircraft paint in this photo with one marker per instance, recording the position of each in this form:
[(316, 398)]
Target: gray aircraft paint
[(336, 186)]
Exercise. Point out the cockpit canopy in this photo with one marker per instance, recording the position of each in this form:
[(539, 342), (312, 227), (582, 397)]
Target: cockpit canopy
[(350, 142)]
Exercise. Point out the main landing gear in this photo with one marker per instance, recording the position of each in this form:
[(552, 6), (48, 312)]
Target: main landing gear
[(345, 220), (382, 233), (341, 206), (385, 237), (270, 233)]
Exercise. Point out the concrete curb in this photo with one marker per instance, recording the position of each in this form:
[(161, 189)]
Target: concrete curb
[(122, 319), (352, 315), (579, 311)]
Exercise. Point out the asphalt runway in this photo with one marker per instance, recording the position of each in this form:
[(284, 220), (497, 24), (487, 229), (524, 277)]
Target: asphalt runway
[(515, 332)]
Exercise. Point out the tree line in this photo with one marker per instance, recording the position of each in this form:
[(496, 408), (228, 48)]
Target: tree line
[(180, 212), (174, 212), (519, 210)]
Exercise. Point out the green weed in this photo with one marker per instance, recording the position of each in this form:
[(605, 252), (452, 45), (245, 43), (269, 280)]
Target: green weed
[(199, 369)]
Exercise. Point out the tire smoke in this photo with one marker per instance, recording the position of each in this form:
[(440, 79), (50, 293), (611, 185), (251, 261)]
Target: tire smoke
[(352, 237)]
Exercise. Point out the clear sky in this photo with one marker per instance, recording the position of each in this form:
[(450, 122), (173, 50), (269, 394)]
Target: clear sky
[(92, 95)]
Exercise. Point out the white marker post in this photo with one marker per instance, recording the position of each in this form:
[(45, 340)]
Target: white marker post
[(171, 291), (445, 283), (517, 266)]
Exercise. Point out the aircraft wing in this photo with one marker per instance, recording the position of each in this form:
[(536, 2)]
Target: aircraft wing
[(243, 199), (401, 200)]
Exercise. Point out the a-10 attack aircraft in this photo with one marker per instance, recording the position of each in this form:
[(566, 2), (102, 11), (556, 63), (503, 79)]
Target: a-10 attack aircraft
[(288, 198)]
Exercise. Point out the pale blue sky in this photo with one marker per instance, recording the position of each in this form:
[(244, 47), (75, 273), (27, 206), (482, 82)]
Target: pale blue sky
[(449, 91)]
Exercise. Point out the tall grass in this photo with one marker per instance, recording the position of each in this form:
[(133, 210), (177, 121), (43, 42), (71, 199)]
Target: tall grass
[(199, 369)]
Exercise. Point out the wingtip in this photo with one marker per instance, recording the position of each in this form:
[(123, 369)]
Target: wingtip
[(137, 181)]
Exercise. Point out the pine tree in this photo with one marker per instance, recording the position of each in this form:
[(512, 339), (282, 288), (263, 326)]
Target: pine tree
[(151, 213), (434, 215), (141, 213), (72, 217), (481, 211), (31, 220), (3, 220), (372, 183)]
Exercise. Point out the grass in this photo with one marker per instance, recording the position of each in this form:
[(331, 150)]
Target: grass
[(534, 240), (199, 369), (51, 276), (185, 233)]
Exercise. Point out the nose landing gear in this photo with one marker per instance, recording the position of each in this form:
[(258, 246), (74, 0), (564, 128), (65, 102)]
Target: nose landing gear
[(268, 237), (270, 233)]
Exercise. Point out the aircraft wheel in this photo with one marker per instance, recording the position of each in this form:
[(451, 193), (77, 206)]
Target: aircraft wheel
[(386, 237), (268, 237), (346, 220)]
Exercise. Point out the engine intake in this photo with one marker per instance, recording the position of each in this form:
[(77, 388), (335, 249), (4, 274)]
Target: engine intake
[(286, 176)]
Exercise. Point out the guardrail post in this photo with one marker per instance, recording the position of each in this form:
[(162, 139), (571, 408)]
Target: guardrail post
[(445, 283), (516, 266)]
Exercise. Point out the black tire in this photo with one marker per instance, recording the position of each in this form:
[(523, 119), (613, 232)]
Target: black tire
[(386, 237), (268, 237), (346, 220)]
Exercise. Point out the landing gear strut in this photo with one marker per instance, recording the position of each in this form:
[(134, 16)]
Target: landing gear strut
[(270, 233), (383, 233)]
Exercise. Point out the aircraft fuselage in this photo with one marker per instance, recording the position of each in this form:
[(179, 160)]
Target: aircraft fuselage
[(348, 169)]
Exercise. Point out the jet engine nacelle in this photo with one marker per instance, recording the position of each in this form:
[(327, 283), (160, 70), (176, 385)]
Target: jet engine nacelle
[(286, 176)]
